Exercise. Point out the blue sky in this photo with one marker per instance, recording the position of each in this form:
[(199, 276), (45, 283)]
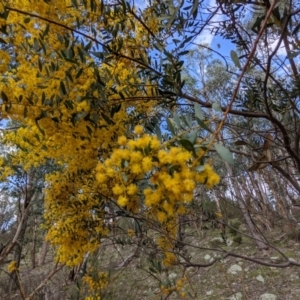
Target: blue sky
[(217, 43)]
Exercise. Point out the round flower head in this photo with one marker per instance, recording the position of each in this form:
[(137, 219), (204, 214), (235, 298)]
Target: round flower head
[(138, 129)]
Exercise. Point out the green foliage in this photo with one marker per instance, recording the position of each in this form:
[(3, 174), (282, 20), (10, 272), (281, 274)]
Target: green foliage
[(224, 153)]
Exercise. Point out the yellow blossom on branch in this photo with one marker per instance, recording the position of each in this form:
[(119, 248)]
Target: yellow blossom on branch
[(12, 266)]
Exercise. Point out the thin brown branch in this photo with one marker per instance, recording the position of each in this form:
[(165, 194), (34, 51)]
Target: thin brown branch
[(224, 109)]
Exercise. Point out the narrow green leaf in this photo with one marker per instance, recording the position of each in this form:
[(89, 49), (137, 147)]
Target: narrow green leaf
[(292, 54), (158, 132), (224, 153), (216, 106), (25, 112), (187, 145), (183, 52), (159, 267), (46, 31), (62, 88), (3, 29), (193, 136), (7, 108), (124, 6), (189, 120), (198, 111), (177, 120), (43, 46), (2, 41), (39, 127), (296, 29), (74, 2), (81, 55), (40, 65), (107, 119), (90, 131), (71, 53), (88, 46), (98, 54), (152, 270), (68, 74), (194, 10), (171, 125), (37, 137), (4, 96), (36, 46), (79, 73), (55, 119), (203, 125), (240, 143), (173, 17), (186, 41), (43, 98), (235, 59)]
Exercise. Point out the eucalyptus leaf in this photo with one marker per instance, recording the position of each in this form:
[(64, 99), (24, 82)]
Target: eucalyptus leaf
[(224, 153), (25, 112), (158, 132), (193, 136), (4, 96), (235, 59), (189, 120), (195, 9), (292, 54), (203, 125), (89, 130), (2, 41), (39, 127), (172, 18), (216, 106), (177, 120), (62, 87), (240, 143), (171, 125), (198, 111)]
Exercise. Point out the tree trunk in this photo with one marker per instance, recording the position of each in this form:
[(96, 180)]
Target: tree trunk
[(14, 282), (43, 253), (33, 250), (259, 240)]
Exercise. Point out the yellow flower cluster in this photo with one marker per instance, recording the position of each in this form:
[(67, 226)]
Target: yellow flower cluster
[(95, 282), (95, 297), (170, 175), (4, 61), (175, 288), (173, 177), (53, 97), (130, 233), (12, 266), (166, 244)]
